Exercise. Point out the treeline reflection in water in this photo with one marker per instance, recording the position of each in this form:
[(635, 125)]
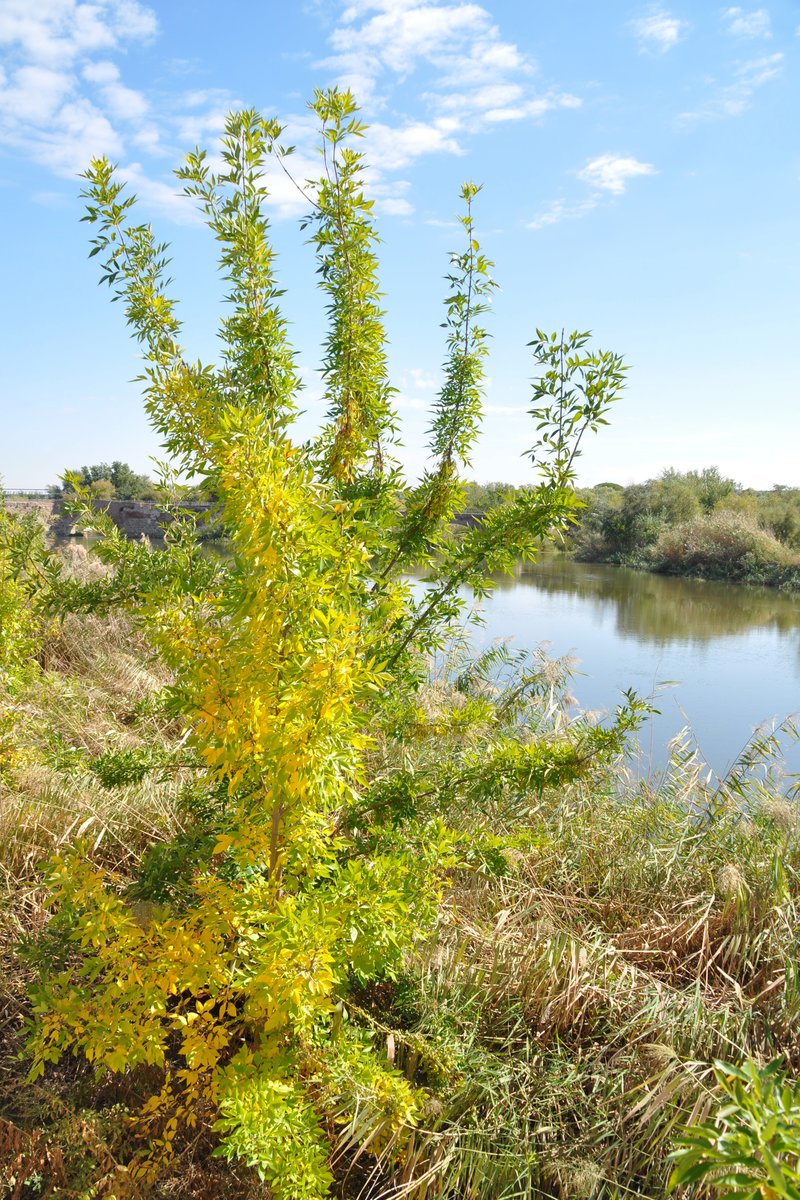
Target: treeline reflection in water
[(660, 608), (730, 654)]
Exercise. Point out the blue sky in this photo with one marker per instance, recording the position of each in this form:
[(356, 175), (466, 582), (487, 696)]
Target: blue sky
[(641, 171)]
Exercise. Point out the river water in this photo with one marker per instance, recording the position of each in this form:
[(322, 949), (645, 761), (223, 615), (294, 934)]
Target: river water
[(731, 653)]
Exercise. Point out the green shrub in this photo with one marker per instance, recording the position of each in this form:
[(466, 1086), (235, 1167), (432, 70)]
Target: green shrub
[(722, 544), (751, 1147)]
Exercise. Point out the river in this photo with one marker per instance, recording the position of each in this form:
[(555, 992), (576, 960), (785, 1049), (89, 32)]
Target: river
[(731, 653)]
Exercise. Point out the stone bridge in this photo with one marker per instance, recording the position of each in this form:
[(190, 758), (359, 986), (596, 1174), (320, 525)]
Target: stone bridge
[(137, 518)]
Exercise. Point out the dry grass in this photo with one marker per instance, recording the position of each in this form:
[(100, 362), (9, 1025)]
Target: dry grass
[(94, 697), (724, 543), (611, 941), (97, 694), (579, 997)]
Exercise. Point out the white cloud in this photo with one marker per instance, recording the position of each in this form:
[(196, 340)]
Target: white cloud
[(206, 98), (416, 389), (608, 173), (403, 401), (534, 109), (474, 73), (125, 103), (500, 102), (33, 95), (758, 71), (496, 95), (398, 35), (102, 72), (559, 210), (358, 73), (197, 127), (359, 8), (611, 172), (200, 116), (42, 114), (471, 80), (122, 102), (485, 60), (58, 101), (390, 196), (135, 20), (659, 30), (394, 207), (50, 199), (79, 133), (163, 198), (63, 100), (392, 147), (734, 98), (753, 24), (148, 138), (505, 410), (290, 194), (58, 32), (422, 380)]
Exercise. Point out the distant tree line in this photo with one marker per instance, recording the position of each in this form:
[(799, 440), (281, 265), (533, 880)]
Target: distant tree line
[(114, 481), (622, 523), (108, 481), (682, 522), (483, 497)]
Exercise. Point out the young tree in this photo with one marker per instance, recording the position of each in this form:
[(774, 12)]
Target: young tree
[(234, 992)]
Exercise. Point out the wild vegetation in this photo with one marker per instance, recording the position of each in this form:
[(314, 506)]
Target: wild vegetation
[(682, 523), (107, 481), (694, 523), (300, 899), (117, 481)]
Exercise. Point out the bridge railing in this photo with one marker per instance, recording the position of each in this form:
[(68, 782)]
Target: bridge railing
[(29, 493)]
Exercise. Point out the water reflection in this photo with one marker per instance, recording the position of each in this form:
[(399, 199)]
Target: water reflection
[(732, 653), (658, 608)]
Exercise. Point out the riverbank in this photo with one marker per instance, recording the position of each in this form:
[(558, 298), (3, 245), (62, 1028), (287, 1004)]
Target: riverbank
[(134, 518), (783, 577), (724, 544), (695, 524)]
